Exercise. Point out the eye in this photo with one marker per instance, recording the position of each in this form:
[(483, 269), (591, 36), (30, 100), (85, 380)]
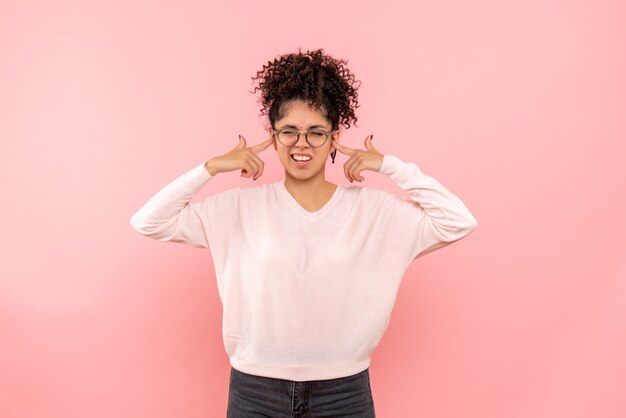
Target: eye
[(288, 132), (317, 133)]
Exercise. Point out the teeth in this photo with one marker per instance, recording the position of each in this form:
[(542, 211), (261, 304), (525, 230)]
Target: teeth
[(301, 158)]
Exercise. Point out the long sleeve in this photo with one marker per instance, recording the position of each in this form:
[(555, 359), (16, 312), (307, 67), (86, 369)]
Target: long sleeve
[(169, 215), (433, 217)]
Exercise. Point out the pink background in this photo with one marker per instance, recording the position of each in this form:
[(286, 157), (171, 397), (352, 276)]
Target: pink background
[(518, 107)]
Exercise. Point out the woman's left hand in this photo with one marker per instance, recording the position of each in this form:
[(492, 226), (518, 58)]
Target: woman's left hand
[(368, 159)]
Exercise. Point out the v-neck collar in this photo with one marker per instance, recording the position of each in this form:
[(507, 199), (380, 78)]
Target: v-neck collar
[(291, 201)]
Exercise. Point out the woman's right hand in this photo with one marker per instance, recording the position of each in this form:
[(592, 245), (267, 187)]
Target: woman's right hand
[(241, 158)]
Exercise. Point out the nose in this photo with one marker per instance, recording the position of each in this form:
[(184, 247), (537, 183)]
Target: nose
[(303, 135)]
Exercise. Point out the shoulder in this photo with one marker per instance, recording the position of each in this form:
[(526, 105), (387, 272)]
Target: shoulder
[(370, 195), (247, 194), (251, 190)]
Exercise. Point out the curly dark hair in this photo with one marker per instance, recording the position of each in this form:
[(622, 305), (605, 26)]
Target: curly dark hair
[(313, 76)]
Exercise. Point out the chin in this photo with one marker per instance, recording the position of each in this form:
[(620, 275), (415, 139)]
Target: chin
[(302, 173)]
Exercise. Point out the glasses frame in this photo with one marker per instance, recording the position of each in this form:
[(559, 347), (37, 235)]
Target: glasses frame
[(306, 136)]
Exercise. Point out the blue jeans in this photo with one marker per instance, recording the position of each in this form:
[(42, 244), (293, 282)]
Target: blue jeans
[(258, 396)]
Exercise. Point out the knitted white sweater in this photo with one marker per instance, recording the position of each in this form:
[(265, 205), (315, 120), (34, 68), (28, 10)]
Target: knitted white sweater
[(307, 295)]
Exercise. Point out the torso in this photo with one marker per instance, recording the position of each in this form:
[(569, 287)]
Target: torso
[(320, 203)]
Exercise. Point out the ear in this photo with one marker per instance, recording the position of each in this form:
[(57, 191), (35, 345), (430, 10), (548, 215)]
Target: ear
[(269, 131), (335, 135)]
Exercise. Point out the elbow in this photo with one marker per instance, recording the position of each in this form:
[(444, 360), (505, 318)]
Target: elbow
[(150, 227), (460, 230), (469, 226), (138, 225)]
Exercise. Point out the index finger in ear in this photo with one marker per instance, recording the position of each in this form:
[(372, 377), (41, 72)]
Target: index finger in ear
[(263, 145), (342, 149)]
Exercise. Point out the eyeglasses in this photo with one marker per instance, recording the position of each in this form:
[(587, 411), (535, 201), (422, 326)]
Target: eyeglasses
[(314, 137)]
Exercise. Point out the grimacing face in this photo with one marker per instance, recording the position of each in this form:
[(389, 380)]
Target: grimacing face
[(302, 117)]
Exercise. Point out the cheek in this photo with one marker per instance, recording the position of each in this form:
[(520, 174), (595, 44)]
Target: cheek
[(323, 153), (284, 155)]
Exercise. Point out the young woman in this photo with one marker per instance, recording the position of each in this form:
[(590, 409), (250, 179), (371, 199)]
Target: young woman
[(307, 270)]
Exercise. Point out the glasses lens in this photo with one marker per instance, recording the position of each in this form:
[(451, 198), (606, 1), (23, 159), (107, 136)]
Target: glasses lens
[(316, 137), (288, 137)]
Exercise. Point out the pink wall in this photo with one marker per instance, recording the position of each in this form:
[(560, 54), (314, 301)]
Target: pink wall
[(517, 107)]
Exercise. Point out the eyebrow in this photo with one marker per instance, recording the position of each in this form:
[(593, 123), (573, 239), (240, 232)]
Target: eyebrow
[(310, 127)]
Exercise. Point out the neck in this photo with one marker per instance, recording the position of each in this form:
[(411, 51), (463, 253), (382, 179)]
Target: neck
[(309, 190)]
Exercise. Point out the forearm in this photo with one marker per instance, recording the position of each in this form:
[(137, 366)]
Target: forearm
[(448, 213), (168, 216)]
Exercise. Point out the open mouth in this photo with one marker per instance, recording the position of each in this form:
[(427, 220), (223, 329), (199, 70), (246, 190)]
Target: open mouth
[(301, 159)]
